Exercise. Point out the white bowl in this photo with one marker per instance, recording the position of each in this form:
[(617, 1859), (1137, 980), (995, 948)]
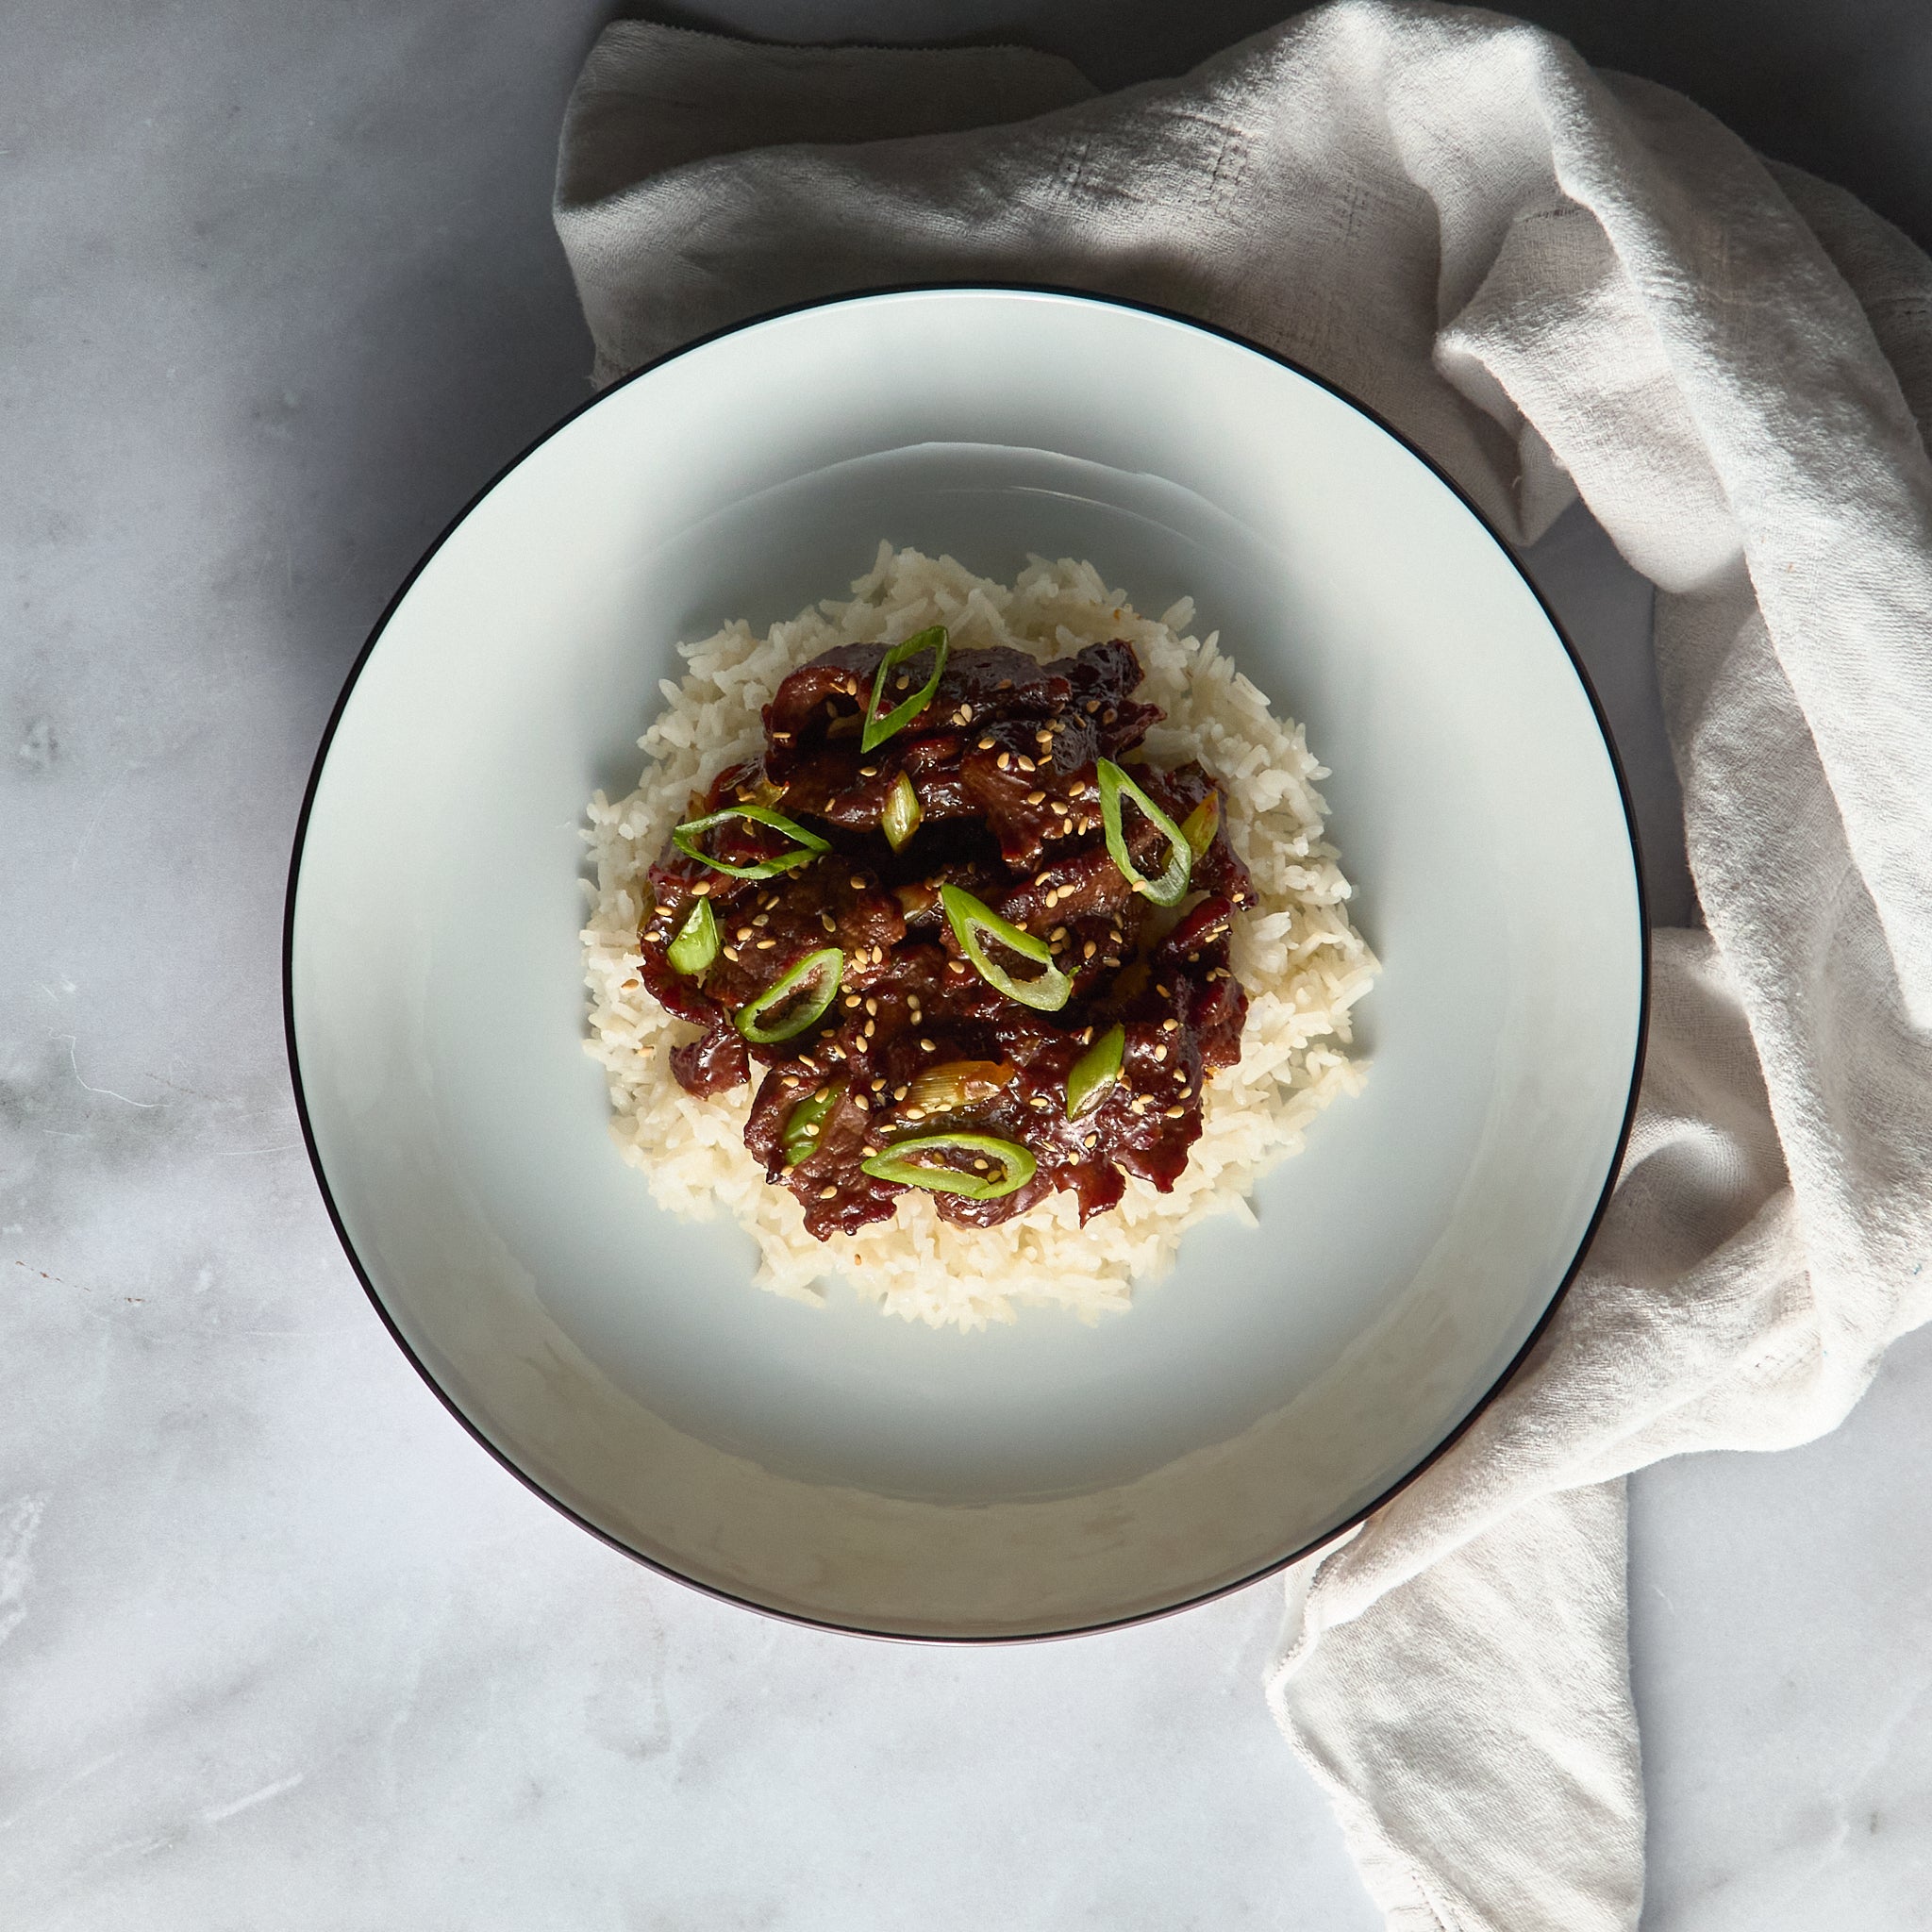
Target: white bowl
[(829, 1464)]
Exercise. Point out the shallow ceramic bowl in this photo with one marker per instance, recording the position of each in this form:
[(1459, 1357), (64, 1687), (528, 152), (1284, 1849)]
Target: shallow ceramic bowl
[(826, 1463)]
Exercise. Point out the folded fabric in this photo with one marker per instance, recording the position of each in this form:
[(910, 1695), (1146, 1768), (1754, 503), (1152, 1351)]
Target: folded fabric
[(1556, 281)]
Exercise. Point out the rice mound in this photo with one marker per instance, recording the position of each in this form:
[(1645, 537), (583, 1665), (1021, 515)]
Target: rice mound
[(1303, 963)]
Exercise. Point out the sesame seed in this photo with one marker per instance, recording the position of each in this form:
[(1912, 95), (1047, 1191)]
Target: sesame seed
[(1094, 1140), (828, 1193), (764, 945), (701, 887), (868, 771), (1042, 738), (1005, 684), (985, 744), (872, 1007), (731, 954), (1169, 1025), (1093, 705), (898, 1092), (857, 883), (982, 1165), (1159, 988), (851, 1000), (861, 1103), (904, 678), (1025, 763), (1108, 716), (1175, 1113), (870, 1151), (926, 1046), (1038, 798), (1160, 1053), (743, 932), (1005, 761), (872, 1026), (826, 920), (1057, 935), (915, 1113)]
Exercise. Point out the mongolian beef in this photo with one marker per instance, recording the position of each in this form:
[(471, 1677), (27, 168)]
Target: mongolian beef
[(968, 944)]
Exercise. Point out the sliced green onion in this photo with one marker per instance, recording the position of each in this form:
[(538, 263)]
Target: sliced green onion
[(958, 1085), (878, 727), (808, 844), (1200, 826), (696, 945), (812, 985), (1167, 890), (903, 812), (970, 917), (806, 1121), (1094, 1072), (893, 1163)]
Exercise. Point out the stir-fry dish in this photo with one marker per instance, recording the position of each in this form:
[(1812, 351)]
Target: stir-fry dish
[(973, 946)]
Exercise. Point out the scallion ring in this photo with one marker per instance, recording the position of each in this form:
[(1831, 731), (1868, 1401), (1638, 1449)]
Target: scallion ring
[(807, 844), (806, 1122), (696, 945), (900, 819), (1094, 1072), (1200, 826), (801, 996), (895, 1163), (881, 725), (1169, 888), (973, 921)]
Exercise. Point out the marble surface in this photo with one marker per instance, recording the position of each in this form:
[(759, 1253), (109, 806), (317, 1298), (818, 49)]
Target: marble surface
[(278, 1645)]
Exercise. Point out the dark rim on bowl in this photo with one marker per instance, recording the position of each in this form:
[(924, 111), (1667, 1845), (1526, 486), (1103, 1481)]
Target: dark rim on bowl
[(1482, 1402)]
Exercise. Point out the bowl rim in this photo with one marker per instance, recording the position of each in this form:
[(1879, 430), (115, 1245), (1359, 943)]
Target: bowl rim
[(972, 286)]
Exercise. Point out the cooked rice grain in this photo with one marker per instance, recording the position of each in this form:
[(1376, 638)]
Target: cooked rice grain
[(1303, 963)]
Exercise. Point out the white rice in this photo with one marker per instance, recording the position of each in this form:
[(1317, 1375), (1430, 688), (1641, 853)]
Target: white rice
[(1303, 963)]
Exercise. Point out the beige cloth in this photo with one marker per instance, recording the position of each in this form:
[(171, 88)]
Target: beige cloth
[(1556, 281)]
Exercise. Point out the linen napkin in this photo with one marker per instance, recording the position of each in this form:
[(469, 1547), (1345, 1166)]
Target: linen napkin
[(1556, 281)]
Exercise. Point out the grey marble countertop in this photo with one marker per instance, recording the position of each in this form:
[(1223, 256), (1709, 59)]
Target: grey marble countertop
[(278, 1645)]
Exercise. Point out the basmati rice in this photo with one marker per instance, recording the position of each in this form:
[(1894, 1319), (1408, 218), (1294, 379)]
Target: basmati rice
[(1302, 961)]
